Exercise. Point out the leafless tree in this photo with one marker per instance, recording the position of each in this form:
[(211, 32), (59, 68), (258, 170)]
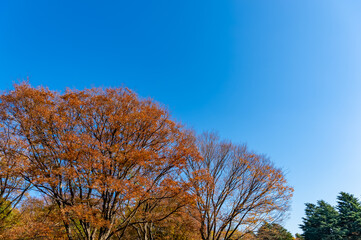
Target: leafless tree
[(235, 189)]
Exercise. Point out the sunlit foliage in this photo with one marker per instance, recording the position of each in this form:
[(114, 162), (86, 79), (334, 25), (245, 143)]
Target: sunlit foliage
[(107, 164)]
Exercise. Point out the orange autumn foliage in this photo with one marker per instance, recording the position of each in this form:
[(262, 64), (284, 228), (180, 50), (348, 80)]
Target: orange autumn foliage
[(107, 164), (100, 155), (36, 219), (12, 185)]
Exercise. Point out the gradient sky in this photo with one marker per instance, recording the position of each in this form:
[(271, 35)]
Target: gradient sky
[(282, 76)]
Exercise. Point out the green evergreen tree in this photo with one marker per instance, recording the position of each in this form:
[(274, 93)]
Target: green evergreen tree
[(321, 222), (349, 222)]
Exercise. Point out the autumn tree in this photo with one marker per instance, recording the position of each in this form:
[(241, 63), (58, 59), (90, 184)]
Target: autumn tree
[(244, 236), (273, 231), (12, 185), (299, 237), (101, 155), (35, 219), (235, 189), (178, 226)]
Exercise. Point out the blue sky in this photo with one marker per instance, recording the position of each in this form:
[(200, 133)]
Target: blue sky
[(282, 76)]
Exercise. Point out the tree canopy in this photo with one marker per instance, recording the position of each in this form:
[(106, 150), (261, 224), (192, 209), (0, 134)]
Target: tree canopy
[(107, 164), (323, 221), (273, 231), (239, 190)]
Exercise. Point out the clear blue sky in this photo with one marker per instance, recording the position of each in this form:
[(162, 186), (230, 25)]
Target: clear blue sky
[(283, 76)]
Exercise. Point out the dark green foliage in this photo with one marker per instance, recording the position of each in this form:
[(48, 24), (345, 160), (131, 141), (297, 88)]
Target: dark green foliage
[(320, 222), (324, 222), (273, 231), (349, 222)]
